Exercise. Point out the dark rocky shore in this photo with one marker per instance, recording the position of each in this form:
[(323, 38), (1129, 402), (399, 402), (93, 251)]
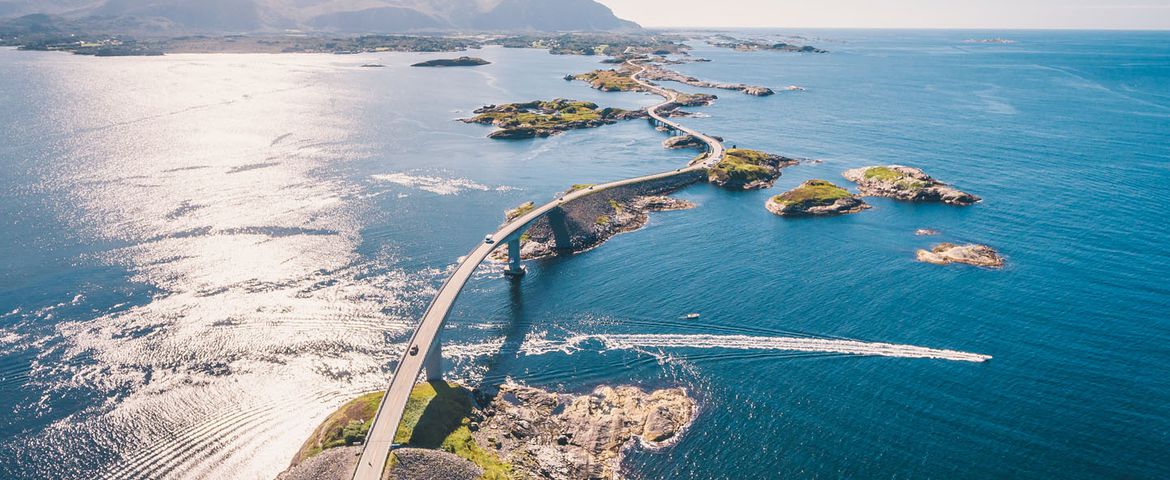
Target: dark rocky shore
[(453, 62)]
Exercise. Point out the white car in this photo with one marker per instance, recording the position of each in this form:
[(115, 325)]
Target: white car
[(488, 240)]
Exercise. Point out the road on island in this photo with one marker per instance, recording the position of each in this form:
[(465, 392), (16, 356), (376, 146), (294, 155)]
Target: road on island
[(380, 438)]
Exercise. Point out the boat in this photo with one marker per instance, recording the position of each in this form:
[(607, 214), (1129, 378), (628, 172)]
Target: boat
[(691, 316)]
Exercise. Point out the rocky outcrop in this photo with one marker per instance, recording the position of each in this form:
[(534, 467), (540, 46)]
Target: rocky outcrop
[(424, 464), (743, 169), (815, 198), (906, 183), (971, 254), (659, 74), (724, 41), (559, 436), (453, 62), (926, 232), (546, 118), (594, 219), (684, 141)]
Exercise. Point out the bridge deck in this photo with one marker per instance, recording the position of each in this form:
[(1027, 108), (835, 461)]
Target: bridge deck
[(381, 435)]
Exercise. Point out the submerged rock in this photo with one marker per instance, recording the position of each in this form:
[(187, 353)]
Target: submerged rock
[(971, 254), (815, 197), (906, 183), (926, 232)]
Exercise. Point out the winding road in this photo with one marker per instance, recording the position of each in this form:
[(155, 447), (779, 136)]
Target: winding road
[(425, 341)]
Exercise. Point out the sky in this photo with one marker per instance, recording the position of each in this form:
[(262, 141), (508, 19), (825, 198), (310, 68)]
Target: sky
[(1083, 14)]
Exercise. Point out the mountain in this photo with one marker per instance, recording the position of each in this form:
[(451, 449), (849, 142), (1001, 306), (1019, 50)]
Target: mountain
[(351, 16)]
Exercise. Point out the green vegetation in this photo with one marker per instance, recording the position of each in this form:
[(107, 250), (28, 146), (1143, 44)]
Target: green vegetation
[(887, 174), (436, 417), (602, 220), (610, 80), (540, 115), (579, 186), (524, 209), (617, 207), (595, 43), (812, 193), (742, 166), (346, 426)]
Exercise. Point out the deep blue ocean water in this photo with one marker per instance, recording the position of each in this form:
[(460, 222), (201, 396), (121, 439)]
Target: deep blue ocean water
[(203, 255)]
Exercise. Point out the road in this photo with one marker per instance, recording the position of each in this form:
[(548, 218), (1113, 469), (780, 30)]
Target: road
[(380, 438)]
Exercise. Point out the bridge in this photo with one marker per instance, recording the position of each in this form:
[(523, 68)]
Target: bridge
[(424, 351)]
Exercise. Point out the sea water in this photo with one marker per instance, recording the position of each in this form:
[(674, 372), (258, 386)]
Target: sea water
[(203, 255)]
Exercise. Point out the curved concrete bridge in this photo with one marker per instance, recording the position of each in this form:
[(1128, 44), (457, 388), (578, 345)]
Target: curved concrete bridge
[(424, 351)]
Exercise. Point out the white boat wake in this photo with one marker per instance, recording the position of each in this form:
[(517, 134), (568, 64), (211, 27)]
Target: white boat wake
[(538, 345)]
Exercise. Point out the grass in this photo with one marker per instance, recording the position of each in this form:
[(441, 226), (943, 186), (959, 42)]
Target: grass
[(887, 174), (522, 210), (541, 114), (579, 186), (609, 81), (346, 426), (602, 220), (742, 165), (436, 417), (617, 207), (812, 192)]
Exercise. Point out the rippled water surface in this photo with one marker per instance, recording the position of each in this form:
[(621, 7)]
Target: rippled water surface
[(203, 255)]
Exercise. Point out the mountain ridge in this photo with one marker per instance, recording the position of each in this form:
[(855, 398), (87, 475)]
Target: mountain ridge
[(345, 16)]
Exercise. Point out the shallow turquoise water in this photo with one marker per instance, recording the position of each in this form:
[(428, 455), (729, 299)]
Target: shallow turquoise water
[(203, 255)]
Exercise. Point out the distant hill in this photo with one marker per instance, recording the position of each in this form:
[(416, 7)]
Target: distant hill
[(352, 16)]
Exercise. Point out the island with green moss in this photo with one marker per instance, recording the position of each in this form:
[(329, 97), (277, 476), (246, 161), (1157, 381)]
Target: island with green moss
[(813, 198), (743, 169), (453, 62), (906, 183), (506, 432), (546, 118)]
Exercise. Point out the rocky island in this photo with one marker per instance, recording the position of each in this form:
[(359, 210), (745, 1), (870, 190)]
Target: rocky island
[(594, 219), (906, 183), (546, 118), (609, 80), (971, 254), (725, 41), (659, 74), (510, 431), (453, 62), (815, 197), (743, 169)]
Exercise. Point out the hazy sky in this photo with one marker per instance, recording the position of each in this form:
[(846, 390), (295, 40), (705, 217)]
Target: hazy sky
[(1111, 14)]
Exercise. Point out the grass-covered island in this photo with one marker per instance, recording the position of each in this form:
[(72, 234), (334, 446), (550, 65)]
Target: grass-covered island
[(511, 432), (453, 62), (906, 183), (725, 41), (545, 118), (743, 169), (815, 197), (609, 80)]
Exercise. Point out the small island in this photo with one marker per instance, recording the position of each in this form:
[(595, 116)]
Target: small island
[(743, 169), (453, 62), (609, 80), (725, 41), (593, 220), (506, 432), (906, 183), (546, 118), (971, 254), (815, 197), (659, 74)]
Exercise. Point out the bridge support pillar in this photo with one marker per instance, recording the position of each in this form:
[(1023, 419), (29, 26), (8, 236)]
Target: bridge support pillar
[(434, 361), (514, 269), (556, 220)]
